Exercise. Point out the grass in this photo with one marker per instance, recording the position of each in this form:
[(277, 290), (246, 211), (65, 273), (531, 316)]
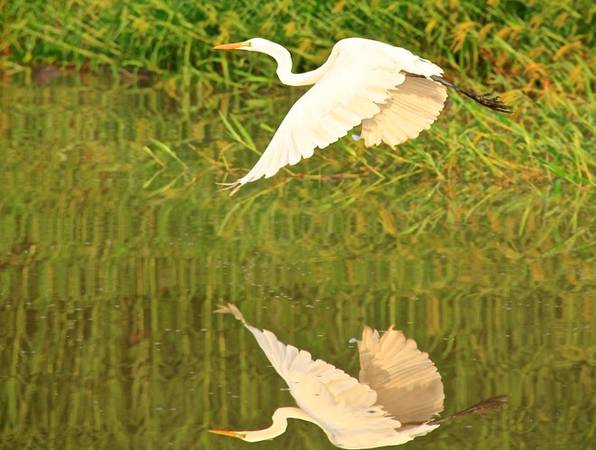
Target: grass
[(532, 47), (537, 54)]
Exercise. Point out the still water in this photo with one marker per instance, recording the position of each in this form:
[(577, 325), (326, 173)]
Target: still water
[(114, 254)]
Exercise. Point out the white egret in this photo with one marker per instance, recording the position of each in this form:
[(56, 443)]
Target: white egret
[(398, 392), (391, 92)]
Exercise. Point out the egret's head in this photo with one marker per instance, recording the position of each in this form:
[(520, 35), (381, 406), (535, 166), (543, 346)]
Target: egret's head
[(252, 45)]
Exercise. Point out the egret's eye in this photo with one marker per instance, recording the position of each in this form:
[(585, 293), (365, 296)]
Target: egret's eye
[(249, 44)]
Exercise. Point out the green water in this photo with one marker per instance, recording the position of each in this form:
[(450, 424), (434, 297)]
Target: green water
[(112, 261)]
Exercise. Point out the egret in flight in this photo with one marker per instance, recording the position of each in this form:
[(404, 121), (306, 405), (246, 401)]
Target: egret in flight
[(398, 393), (392, 93)]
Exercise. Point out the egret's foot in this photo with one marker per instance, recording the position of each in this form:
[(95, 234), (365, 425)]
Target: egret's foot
[(230, 309), (233, 187)]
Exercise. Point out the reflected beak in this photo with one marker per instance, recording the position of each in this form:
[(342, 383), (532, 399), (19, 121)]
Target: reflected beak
[(232, 46), (235, 434)]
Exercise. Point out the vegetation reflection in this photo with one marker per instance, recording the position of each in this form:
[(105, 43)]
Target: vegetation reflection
[(109, 275)]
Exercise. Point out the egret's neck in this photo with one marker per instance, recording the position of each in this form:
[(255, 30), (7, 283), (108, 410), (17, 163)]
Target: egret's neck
[(280, 423), (284, 67)]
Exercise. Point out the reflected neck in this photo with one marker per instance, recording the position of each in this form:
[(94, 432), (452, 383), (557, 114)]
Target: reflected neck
[(280, 423), (284, 67)]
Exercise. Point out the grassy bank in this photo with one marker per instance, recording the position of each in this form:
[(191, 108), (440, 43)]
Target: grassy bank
[(531, 46), (536, 53)]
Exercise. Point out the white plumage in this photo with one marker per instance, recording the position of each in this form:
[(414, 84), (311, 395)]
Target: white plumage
[(362, 82), (414, 106)]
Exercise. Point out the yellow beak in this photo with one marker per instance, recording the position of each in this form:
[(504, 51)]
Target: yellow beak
[(235, 434), (232, 46)]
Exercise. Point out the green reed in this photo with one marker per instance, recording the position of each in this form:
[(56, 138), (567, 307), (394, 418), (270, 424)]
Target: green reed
[(537, 54)]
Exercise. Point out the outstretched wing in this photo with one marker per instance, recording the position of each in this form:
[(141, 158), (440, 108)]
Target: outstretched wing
[(359, 80), (414, 105), (335, 400), (407, 382)]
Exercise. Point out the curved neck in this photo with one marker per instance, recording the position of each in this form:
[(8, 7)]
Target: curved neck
[(284, 67), (280, 423)]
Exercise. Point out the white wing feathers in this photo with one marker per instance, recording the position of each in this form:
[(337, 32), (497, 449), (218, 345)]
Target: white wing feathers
[(406, 381), (413, 107), (361, 78)]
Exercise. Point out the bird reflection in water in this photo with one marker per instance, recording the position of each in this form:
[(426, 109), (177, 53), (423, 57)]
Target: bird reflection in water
[(396, 399)]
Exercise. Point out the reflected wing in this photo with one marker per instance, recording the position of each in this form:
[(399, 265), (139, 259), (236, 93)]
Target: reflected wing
[(336, 401), (413, 107), (360, 75), (407, 382)]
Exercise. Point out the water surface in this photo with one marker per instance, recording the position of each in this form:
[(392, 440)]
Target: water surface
[(113, 257)]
